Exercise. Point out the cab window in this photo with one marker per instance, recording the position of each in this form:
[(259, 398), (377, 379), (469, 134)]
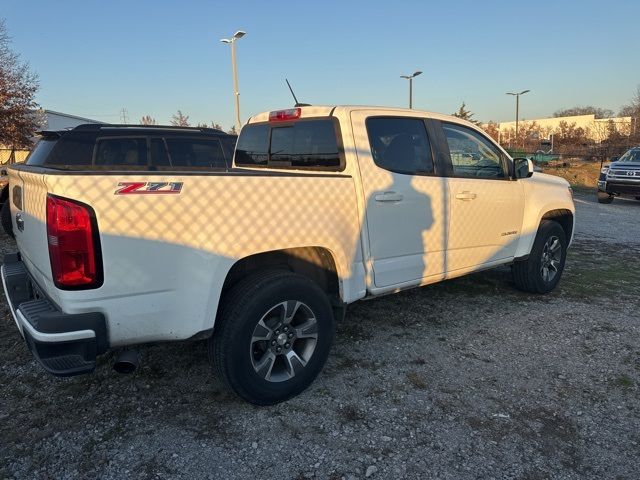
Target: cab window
[(473, 155)]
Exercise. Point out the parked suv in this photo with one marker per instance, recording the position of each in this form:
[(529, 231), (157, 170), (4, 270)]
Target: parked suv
[(101, 147), (621, 177), (324, 206)]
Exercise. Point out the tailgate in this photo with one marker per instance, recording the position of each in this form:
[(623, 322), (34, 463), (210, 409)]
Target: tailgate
[(28, 196)]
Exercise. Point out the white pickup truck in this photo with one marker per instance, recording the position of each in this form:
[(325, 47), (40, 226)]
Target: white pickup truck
[(320, 207)]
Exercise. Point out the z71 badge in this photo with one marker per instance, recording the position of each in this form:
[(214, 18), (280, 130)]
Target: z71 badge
[(148, 188)]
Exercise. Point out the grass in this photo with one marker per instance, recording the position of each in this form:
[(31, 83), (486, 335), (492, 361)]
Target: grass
[(416, 380), (624, 381), (592, 271)]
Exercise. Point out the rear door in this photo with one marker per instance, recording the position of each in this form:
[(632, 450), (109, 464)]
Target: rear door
[(486, 204), (405, 202)]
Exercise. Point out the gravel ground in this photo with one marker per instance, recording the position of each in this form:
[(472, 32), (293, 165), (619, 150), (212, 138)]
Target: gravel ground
[(464, 379)]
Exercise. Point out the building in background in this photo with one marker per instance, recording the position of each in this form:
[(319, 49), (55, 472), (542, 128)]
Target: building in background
[(61, 121), (50, 121)]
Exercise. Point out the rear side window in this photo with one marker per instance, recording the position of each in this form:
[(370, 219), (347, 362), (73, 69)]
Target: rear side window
[(129, 152), (400, 145), (191, 152), (70, 150), (41, 151), (306, 144)]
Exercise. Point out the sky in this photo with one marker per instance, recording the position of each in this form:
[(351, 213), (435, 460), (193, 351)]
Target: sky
[(153, 57)]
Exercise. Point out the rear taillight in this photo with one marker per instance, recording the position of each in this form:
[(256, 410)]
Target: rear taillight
[(74, 245)]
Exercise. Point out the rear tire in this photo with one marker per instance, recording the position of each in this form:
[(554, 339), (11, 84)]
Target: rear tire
[(5, 218), (541, 272), (272, 336), (604, 197)]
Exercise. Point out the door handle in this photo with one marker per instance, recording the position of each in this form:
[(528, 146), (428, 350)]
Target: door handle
[(466, 196), (389, 197)]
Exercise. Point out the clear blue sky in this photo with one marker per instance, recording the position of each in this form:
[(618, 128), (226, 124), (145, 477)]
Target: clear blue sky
[(154, 57)]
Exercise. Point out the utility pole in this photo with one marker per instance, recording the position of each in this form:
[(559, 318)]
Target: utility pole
[(517, 95), (124, 115), (410, 78), (232, 41)]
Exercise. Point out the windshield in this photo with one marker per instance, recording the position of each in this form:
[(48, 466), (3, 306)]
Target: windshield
[(632, 155)]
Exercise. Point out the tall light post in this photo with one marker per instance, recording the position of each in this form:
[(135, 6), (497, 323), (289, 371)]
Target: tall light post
[(410, 78), (232, 41), (517, 95)]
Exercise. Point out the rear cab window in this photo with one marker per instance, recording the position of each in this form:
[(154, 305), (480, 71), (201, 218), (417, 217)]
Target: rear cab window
[(308, 144)]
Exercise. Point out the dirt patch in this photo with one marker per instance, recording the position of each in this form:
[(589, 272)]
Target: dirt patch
[(579, 173)]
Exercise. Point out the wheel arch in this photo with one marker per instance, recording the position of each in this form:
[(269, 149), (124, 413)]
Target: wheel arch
[(564, 217), (316, 263)]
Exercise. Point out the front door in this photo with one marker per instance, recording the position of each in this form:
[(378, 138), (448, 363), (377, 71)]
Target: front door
[(486, 205)]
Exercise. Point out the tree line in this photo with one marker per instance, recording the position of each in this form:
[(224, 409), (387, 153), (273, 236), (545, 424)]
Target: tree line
[(179, 119)]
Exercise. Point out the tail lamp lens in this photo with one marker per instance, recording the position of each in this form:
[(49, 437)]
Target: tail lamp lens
[(74, 248), (285, 115)]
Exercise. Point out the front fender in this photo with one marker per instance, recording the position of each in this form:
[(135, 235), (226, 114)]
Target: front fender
[(543, 194)]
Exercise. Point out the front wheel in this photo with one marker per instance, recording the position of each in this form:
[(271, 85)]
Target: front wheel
[(541, 272), (272, 336), (604, 197)]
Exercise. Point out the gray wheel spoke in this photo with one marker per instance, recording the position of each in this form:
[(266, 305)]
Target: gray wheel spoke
[(261, 332), (554, 265), (294, 363), (545, 274), (290, 309), (555, 245), (308, 329), (265, 364)]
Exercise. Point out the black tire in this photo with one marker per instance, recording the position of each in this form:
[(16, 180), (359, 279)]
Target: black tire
[(234, 350), (604, 197), (5, 218), (528, 274)]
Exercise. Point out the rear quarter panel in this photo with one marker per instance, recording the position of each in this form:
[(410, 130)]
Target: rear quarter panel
[(166, 256)]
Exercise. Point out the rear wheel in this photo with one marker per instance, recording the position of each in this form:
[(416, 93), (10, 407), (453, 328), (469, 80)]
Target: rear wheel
[(272, 336), (541, 272), (604, 197)]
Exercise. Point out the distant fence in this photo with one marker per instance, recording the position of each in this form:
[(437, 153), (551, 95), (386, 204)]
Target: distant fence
[(12, 156)]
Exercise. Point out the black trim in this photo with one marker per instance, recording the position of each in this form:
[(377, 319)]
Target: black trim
[(63, 358), (244, 171)]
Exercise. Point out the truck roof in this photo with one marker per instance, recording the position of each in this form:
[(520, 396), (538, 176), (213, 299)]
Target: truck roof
[(327, 110), (128, 128)]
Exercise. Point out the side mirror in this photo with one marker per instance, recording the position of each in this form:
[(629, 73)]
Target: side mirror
[(523, 167), (615, 158)]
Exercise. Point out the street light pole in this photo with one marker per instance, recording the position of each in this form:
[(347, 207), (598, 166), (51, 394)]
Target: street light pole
[(234, 66), (410, 78), (517, 95)]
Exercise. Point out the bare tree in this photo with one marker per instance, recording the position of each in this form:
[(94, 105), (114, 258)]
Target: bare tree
[(148, 120), (18, 86), (217, 126), (180, 120), (232, 130)]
